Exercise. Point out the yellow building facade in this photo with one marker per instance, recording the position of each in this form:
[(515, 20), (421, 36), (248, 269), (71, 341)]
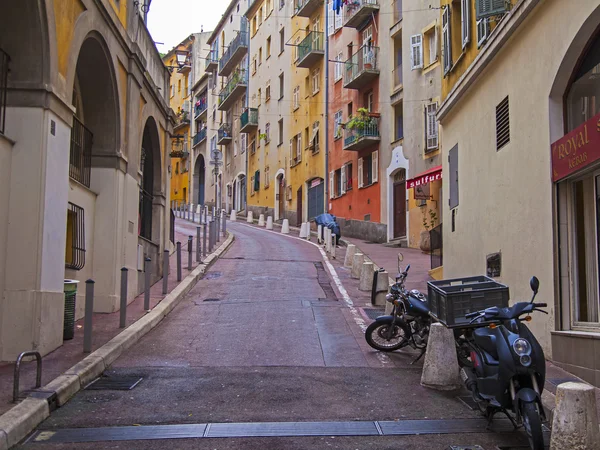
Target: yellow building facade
[(306, 155), (179, 62)]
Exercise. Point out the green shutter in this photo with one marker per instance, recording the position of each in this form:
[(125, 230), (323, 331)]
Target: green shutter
[(487, 8)]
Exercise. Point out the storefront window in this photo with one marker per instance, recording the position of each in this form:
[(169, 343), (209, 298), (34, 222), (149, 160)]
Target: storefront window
[(583, 100)]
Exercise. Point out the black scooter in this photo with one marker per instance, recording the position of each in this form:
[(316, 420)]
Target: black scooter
[(508, 365)]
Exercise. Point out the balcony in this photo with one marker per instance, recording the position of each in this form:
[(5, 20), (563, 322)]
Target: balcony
[(358, 11), (361, 133), (212, 61), (179, 154), (182, 119), (200, 107), (238, 47), (224, 134), (362, 68), (305, 8), (249, 120), (199, 137), (233, 90), (310, 50)]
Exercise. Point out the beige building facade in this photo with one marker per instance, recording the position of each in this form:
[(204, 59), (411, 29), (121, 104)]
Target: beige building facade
[(519, 139)]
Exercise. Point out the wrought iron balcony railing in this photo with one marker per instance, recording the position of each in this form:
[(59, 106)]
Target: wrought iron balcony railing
[(311, 49), (362, 67), (224, 134), (200, 107), (362, 134), (199, 137), (249, 120), (235, 52), (212, 60), (305, 8), (357, 11), (238, 81)]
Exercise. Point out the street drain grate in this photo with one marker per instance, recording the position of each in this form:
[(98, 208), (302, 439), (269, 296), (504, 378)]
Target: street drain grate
[(114, 384), (373, 313), (212, 300), (324, 282), (212, 275)]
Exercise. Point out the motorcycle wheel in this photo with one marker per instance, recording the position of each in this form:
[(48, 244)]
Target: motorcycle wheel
[(377, 337), (533, 425)]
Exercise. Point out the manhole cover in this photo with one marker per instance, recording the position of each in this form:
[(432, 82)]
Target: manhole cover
[(212, 275), (373, 313), (114, 383), (211, 300)]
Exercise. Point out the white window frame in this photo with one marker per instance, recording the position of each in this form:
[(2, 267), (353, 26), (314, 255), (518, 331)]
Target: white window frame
[(483, 31), (416, 52), (338, 67), (337, 120), (315, 134), (267, 132), (360, 173), (447, 39), (375, 166), (243, 143), (330, 20), (431, 126), (465, 22), (343, 180), (268, 91), (299, 147), (296, 97), (433, 50), (331, 184), (315, 80)]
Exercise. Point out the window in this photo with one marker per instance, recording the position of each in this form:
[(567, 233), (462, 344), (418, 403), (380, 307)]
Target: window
[(266, 182), (280, 126), (337, 68), (316, 76), (307, 86), (399, 121), (368, 169), (268, 91), (267, 133), (447, 40), (186, 86), (486, 8), (349, 110), (268, 47), (338, 21), (347, 177), (296, 150), (244, 143), (299, 147), (369, 100), (259, 96), (502, 124), (453, 163), (172, 90), (75, 251), (296, 97), (337, 127), (254, 26), (430, 50), (260, 16), (465, 20), (335, 183), (254, 65), (416, 52), (483, 31), (252, 147), (431, 127), (260, 56), (314, 140), (269, 7), (281, 41), (281, 86)]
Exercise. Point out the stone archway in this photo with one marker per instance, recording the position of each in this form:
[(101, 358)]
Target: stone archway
[(150, 183), (199, 181)]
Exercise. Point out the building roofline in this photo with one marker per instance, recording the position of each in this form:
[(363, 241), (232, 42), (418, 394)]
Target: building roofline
[(224, 17), (252, 8)]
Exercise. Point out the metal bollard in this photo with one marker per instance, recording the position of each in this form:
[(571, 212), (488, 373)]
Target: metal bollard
[(225, 225), (211, 236), (204, 237), (178, 261), (123, 309), (218, 229), (38, 373), (190, 240), (147, 273), (333, 244), (89, 312), (165, 288), (198, 249)]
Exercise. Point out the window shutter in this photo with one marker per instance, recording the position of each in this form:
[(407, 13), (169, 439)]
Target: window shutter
[(416, 52), (453, 164), (330, 22), (343, 183), (244, 142), (447, 40), (331, 179), (291, 152), (487, 8), (338, 21), (360, 172), (375, 166), (465, 22), (483, 31), (431, 126), (299, 147)]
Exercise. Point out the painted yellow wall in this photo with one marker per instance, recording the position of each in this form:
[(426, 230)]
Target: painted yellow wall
[(120, 7), (66, 14)]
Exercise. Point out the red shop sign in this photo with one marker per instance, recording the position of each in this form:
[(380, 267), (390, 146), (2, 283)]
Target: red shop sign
[(576, 150)]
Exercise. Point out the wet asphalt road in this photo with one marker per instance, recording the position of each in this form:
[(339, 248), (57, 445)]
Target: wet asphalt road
[(263, 338)]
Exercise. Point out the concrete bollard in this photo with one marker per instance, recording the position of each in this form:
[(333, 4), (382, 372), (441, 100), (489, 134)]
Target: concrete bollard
[(381, 290), (333, 245), (366, 277), (319, 234), (198, 209), (308, 231), (303, 230), (285, 226), (250, 219), (440, 370), (233, 216), (269, 222), (261, 220), (327, 240), (575, 422), (357, 262), (350, 251)]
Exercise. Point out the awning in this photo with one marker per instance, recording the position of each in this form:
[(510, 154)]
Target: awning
[(433, 174)]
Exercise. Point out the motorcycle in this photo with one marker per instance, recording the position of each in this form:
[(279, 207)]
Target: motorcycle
[(508, 365), (407, 325)]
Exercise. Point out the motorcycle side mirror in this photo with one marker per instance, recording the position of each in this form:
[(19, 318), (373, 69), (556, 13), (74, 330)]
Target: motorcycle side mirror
[(534, 283)]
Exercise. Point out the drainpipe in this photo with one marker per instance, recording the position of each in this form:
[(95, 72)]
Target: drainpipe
[(326, 177)]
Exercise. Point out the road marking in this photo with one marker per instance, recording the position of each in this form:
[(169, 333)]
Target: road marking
[(383, 358)]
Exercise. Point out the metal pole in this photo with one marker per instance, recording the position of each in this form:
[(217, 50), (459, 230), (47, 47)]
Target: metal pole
[(89, 312), (224, 224), (178, 261), (211, 229), (190, 240), (123, 310), (198, 249), (147, 273), (218, 228), (204, 237), (165, 272)]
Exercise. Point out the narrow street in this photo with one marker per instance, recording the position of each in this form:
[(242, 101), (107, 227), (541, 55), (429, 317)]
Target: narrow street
[(264, 338)]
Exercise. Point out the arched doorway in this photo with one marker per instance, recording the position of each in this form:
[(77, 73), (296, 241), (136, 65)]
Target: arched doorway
[(149, 182), (199, 180)]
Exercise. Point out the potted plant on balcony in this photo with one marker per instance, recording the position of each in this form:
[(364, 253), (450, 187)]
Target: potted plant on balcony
[(360, 122)]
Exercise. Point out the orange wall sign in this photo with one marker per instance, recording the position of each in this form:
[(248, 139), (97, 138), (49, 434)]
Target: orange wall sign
[(576, 150)]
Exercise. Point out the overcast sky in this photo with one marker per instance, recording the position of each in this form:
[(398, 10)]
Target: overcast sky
[(171, 21)]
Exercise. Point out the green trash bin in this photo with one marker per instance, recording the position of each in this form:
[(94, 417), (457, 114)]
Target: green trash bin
[(69, 318)]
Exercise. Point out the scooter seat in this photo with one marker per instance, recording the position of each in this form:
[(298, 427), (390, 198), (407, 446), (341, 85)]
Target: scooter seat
[(486, 339)]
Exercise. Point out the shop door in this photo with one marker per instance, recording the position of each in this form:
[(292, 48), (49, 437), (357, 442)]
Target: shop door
[(299, 206), (316, 194), (400, 209)]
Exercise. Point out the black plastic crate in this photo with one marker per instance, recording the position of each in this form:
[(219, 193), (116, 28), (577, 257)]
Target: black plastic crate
[(450, 300)]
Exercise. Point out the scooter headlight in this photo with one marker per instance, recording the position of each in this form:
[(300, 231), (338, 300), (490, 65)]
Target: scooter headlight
[(525, 360), (522, 347)]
